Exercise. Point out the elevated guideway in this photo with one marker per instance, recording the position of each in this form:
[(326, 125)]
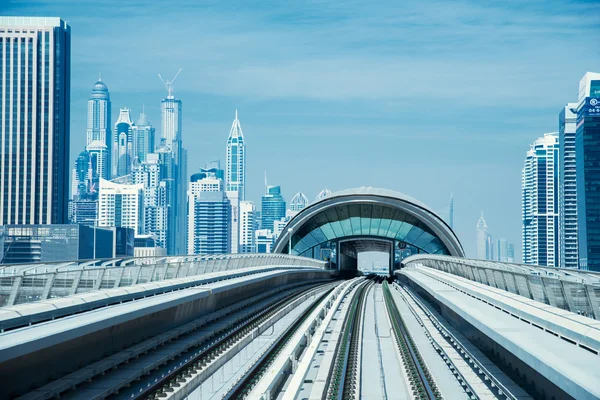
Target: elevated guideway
[(549, 352), (75, 338)]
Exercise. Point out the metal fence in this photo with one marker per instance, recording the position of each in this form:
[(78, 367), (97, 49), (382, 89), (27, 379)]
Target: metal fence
[(25, 283), (572, 290)]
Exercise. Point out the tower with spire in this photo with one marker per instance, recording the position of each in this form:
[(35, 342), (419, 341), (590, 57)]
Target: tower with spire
[(98, 133), (235, 170), (173, 154)]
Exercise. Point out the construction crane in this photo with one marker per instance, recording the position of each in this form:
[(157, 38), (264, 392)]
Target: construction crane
[(169, 83)]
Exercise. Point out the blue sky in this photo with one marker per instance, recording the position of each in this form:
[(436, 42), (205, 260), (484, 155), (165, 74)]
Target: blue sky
[(427, 98)]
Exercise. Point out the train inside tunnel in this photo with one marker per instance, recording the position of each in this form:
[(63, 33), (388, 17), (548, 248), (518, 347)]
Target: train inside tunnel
[(343, 226)]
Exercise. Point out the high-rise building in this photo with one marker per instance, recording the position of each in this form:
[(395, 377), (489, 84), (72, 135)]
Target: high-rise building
[(209, 230), (567, 203), (171, 143), (35, 80), (323, 193), (121, 206), (273, 207), (265, 240), (143, 138), (504, 251), (156, 208), (247, 227), (484, 240), (234, 220), (298, 203), (587, 150), (83, 186), (451, 211), (235, 170), (122, 153), (540, 202), (99, 135)]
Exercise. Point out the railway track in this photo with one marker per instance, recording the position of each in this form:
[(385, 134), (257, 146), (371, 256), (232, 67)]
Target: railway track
[(345, 376), (220, 343), (421, 380)]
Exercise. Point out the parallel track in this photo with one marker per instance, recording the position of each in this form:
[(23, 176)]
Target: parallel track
[(243, 387), (218, 344), (420, 378), (346, 368)]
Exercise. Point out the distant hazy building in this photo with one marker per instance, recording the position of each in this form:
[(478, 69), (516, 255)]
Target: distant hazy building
[(322, 194), (209, 230), (143, 138), (567, 202), (484, 241), (587, 149), (99, 135), (121, 205), (122, 153), (273, 207), (505, 251), (540, 202), (235, 170), (35, 79), (248, 220)]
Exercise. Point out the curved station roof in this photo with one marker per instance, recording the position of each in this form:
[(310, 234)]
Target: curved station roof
[(369, 212)]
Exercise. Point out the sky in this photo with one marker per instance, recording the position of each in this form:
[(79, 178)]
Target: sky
[(426, 98)]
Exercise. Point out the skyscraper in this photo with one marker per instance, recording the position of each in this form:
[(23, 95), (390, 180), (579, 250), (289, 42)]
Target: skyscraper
[(298, 203), (99, 136), (247, 227), (121, 206), (484, 240), (235, 170), (273, 207), (504, 251), (35, 60), (143, 138), (122, 153), (322, 194), (156, 209), (567, 202), (540, 202), (171, 143), (587, 150), (209, 230)]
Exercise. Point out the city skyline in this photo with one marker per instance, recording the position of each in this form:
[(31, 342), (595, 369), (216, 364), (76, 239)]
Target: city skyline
[(316, 115)]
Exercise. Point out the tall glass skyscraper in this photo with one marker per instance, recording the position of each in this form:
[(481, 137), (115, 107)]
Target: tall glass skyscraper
[(273, 207), (122, 153), (172, 146), (540, 202), (35, 76), (235, 170), (99, 136), (143, 138), (587, 150), (567, 203)]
